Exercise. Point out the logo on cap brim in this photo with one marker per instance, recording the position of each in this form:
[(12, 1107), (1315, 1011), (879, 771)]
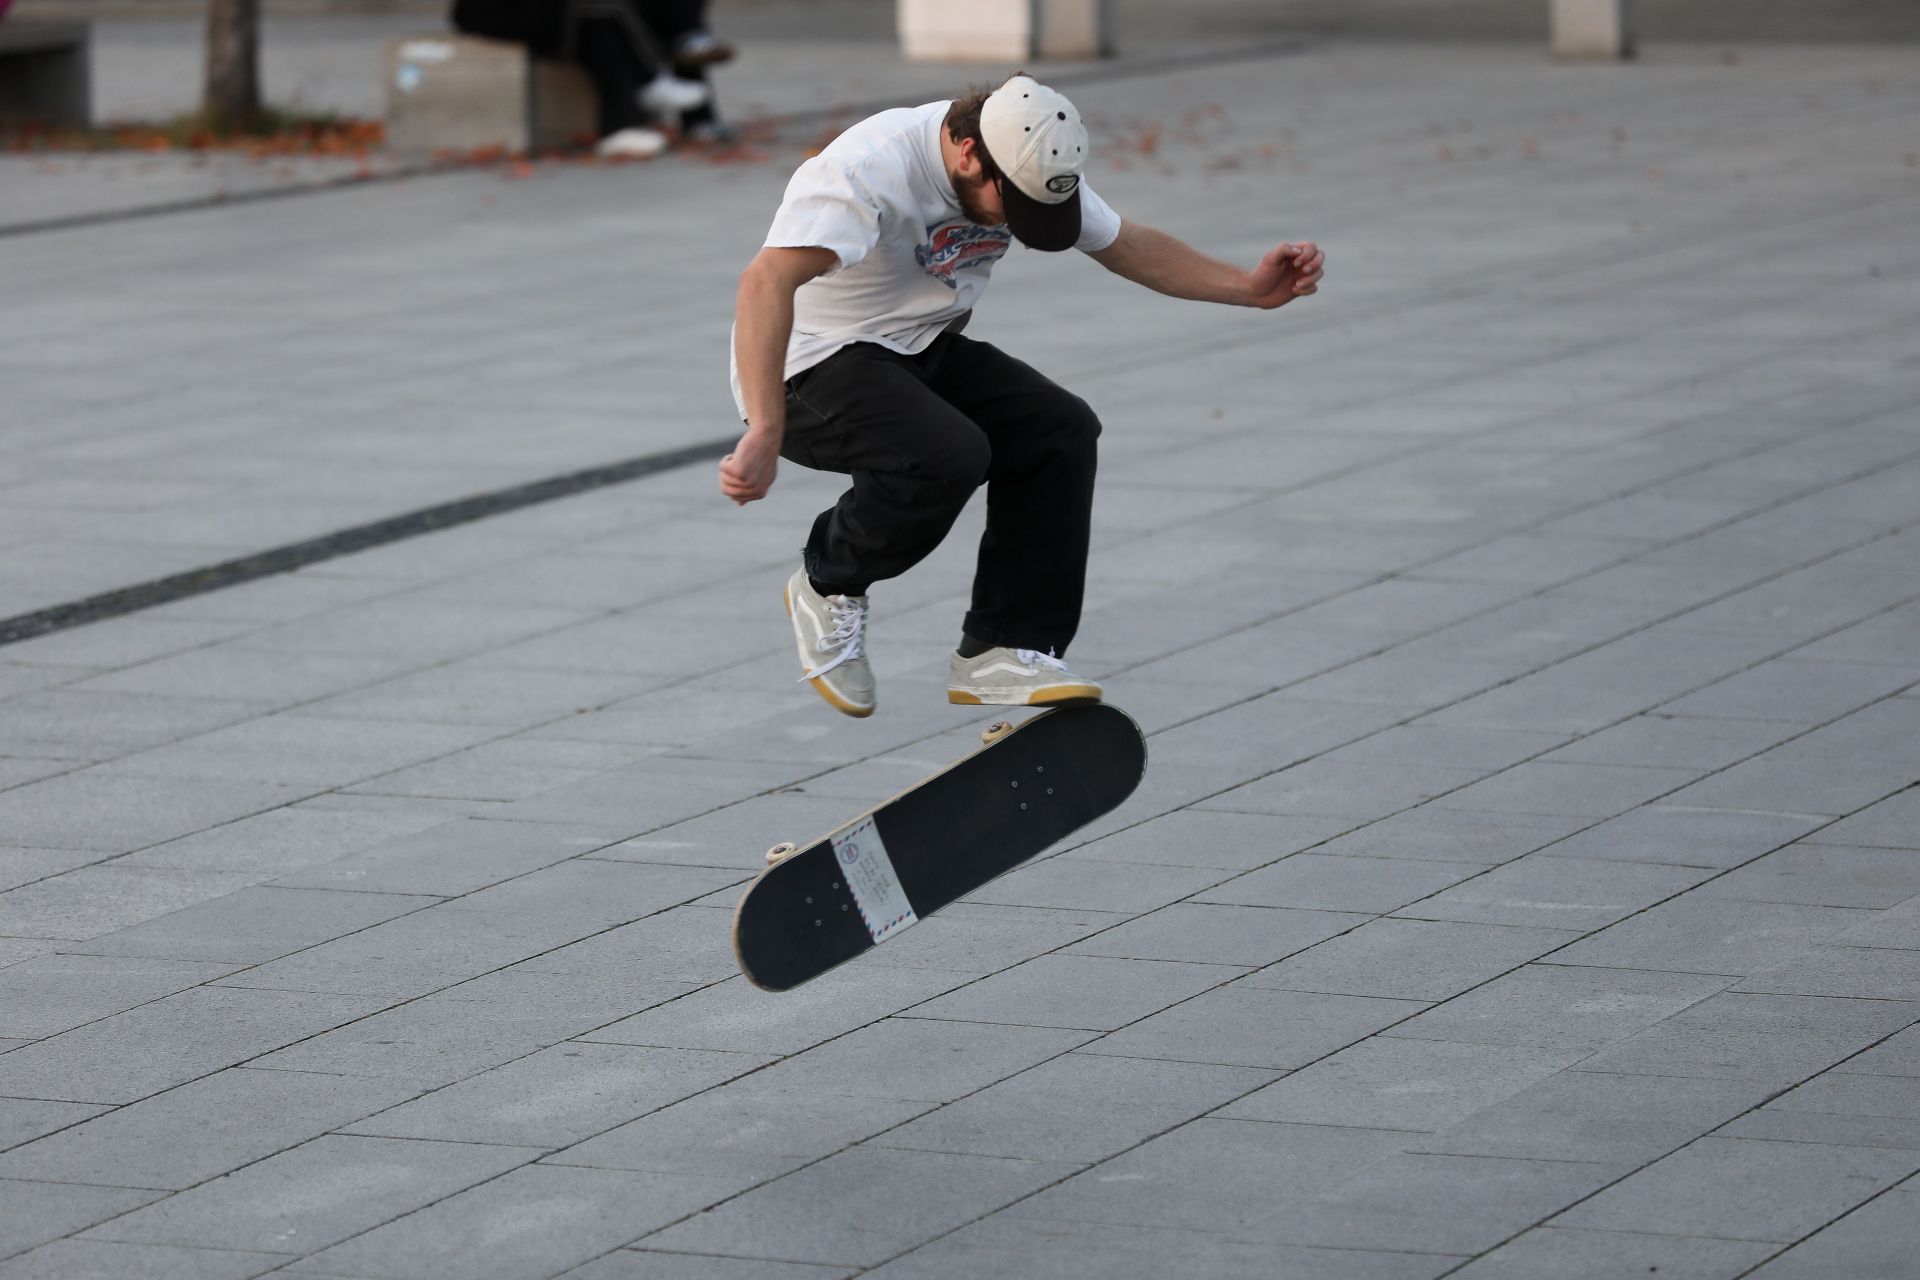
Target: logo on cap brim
[(1063, 183)]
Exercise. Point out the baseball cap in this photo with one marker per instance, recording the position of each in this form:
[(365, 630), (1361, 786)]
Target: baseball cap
[(1035, 138)]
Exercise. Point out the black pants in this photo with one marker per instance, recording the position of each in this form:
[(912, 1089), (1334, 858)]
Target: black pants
[(919, 434)]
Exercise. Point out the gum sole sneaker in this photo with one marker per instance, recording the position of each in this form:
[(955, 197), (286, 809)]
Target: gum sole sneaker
[(831, 633), (1016, 678)]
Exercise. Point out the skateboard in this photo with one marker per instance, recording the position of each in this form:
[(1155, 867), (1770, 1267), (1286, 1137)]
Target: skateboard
[(1029, 785)]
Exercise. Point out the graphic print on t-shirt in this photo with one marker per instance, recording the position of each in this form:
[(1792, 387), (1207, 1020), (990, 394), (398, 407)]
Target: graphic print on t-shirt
[(953, 245)]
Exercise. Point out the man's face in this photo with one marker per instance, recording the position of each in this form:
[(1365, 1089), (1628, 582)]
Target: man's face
[(979, 197)]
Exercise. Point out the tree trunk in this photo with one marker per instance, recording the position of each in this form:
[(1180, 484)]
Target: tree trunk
[(233, 63)]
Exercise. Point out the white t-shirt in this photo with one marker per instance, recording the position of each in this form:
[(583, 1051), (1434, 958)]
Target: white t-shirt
[(910, 262)]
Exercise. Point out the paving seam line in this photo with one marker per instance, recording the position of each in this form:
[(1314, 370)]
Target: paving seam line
[(342, 542)]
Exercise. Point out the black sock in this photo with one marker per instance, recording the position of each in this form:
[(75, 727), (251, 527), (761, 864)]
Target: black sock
[(971, 648), (826, 590)]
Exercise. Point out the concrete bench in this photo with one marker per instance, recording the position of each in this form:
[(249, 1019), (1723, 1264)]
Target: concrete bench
[(1005, 31), (45, 75), (462, 93), (1591, 28)]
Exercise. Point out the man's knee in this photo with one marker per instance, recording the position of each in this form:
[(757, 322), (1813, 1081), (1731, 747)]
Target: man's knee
[(959, 462), (1076, 427)]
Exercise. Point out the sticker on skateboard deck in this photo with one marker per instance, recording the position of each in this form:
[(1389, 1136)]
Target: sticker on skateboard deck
[(1029, 786), (862, 855)]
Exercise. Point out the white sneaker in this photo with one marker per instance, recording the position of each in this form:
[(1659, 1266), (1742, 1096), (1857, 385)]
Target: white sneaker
[(1016, 678), (637, 143), (832, 634), (700, 49), (667, 95)]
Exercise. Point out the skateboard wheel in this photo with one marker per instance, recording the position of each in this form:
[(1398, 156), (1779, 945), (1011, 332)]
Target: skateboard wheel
[(996, 731), (785, 849)]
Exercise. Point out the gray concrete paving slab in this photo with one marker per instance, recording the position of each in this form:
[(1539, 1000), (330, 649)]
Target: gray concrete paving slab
[(1061, 1249), (46, 1211), (742, 1132), (1414, 1202), (1567, 1253), (737, 1016), (119, 1059), (1744, 1189), (1213, 1175), (1893, 823), (1674, 835), (1328, 882), (1826, 875), (50, 994), (1547, 892), (1834, 1129), (120, 813), (1409, 959), (1698, 933), (420, 952), (279, 841), (450, 859), (525, 1223), (315, 1194), (24, 1119), (254, 925), (1560, 1006), (1590, 1115), (925, 1059), (1776, 1039), (1078, 884), (860, 1206), (1092, 993), (1061, 1109), (560, 1096), (641, 1264), (1845, 972), (1209, 932), (976, 939), (103, 1260), (201, 1129), (1333, 788), (1453, 835), (1412, 1086), (1875, 1240), (1255, 1027), (1209, 838), (1498, 510)]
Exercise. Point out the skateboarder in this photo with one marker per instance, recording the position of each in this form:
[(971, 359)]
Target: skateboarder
[(848, 357)]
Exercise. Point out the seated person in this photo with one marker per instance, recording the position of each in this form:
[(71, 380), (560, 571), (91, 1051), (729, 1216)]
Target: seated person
[(633, 87)]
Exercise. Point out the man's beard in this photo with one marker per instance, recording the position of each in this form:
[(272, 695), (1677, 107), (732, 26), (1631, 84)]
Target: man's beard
[(969, 189)]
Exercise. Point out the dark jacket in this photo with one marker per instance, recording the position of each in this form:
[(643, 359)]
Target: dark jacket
[(539, 24)]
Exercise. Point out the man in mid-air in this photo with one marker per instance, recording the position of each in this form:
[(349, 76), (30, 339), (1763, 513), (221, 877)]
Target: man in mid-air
[(848, 357)]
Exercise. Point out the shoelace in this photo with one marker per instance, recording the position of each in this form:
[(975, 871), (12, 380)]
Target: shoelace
[(848, 634), (1036, 659)]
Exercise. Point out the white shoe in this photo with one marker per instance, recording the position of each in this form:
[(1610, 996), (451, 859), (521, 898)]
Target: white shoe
[(1016, 678), (637, 143), (700, 49), (831, 632), (667, 95)]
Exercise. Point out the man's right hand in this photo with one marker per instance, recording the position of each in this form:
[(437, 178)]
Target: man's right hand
[(747, 473)]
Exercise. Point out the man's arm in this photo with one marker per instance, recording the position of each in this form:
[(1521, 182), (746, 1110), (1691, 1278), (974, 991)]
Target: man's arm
[(763, 323), (1171, 266)]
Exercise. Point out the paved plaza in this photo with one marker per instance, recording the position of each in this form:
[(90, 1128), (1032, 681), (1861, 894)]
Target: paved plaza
[(1525, 884)]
